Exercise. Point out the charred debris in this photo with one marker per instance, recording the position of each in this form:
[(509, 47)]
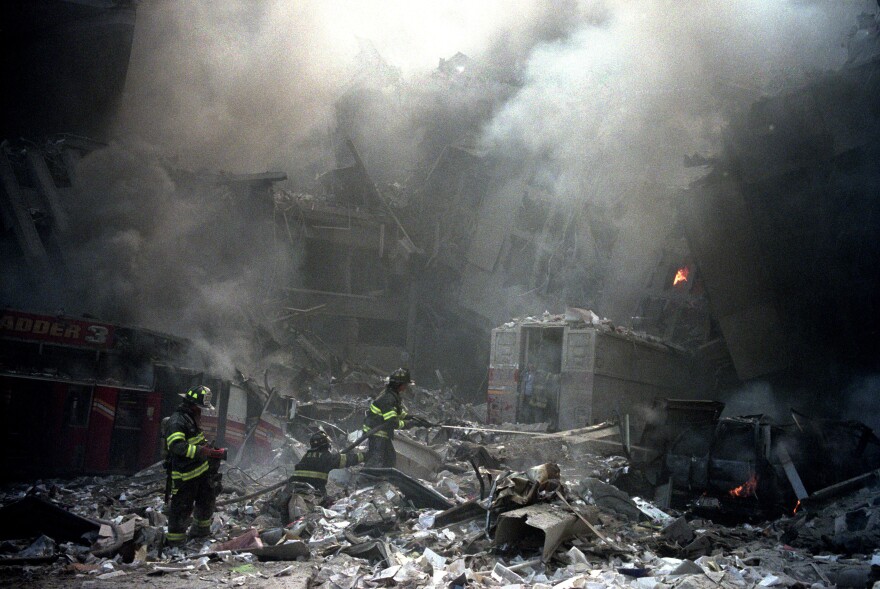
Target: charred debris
[(702, 500)]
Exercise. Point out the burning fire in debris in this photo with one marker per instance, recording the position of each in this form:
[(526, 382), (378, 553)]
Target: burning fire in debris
[(681, 276), (747, 489), (796, 507)]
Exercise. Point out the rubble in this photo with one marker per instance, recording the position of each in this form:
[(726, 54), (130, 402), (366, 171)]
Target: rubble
[(536, 527)]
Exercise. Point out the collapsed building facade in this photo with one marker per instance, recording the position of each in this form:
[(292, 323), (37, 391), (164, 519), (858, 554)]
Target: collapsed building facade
[(422, 243), (790, 201), (396, 261)]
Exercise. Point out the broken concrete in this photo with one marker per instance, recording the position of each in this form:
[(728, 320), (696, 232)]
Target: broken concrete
[(543, 525)]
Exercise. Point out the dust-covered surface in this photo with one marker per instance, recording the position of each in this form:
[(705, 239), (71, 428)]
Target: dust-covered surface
[(219, 574), (370, 532)]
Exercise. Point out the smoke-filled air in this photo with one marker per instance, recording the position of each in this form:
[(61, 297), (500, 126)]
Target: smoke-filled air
[(596, 99)]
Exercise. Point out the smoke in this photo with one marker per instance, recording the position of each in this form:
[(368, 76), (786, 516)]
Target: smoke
[(620, 100), (608, 111), (759, 398), (224, 85), (164, 250), (243, 85), (598, 99), (614, 93)]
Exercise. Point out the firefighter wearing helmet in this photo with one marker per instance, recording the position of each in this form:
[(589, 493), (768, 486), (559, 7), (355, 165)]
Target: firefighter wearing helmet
[(307, 486), (387, 407), (195, 482), (315, 466)]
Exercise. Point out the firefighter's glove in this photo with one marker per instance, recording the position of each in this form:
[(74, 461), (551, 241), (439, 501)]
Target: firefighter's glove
[(212, 453)]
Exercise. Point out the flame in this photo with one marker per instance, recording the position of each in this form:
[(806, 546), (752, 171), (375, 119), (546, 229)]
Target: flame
[(796, 507), (681, 276), (746, 489)]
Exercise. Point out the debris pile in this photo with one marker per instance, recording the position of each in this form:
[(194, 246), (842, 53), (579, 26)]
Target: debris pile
[(477, 522)]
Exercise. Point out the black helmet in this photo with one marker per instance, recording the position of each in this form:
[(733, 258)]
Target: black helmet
[(200, 395), (319, 441), (400, 376)]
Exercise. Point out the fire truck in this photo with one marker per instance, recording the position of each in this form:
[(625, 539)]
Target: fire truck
[(83, 396), (583, 372)]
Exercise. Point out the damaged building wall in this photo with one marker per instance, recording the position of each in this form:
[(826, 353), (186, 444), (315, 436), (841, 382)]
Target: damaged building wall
[(784, 227), (75, 91), (37, 188), (354, 283), (738, 283)]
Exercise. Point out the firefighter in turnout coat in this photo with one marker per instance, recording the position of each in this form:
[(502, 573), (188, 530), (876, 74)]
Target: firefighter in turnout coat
[(307, 486), (195, 482), (317, 463), (387, 407)]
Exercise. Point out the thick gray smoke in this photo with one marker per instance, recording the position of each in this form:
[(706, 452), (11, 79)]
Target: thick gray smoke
[(620, 100), (615, 92), (166, 251), (601, 98), (611, 109), (244, 85)]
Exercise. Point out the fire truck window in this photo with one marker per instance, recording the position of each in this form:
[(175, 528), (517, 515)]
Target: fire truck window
[(76, 408), (128, 411), (125, 443)]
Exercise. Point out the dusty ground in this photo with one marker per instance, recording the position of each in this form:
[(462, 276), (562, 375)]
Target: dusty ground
[(219, 575)]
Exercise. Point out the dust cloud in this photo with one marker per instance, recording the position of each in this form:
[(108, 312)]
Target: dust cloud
[(601, 100)]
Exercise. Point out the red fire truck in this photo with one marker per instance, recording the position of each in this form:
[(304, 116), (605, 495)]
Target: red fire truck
[(78, 395)]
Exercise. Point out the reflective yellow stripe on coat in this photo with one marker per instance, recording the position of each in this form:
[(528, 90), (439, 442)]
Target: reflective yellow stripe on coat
[(189, 475)]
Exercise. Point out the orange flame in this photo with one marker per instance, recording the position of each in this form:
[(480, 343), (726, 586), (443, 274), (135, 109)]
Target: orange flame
[(746, 489), (681, 276), (796, 507)]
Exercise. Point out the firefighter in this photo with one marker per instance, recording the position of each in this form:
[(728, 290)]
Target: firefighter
[(320, 460), (195, 482), (308, 484), (388, 406)]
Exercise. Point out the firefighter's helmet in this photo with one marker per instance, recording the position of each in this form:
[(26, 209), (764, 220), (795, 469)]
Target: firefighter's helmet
[(399, 377), (200, 395), (319, 440)]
